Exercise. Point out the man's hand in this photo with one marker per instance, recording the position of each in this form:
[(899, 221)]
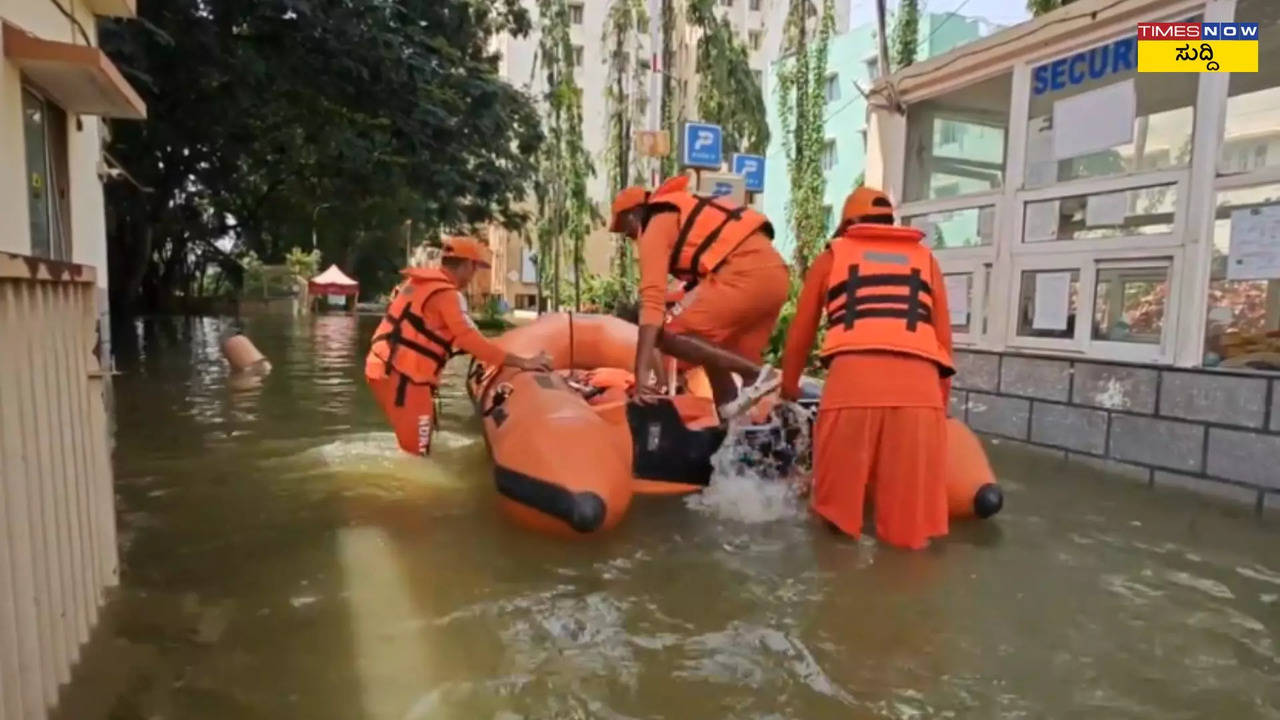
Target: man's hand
[(647, 393), (539, 362)]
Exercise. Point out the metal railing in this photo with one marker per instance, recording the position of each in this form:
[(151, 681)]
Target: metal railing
[(57, 509)]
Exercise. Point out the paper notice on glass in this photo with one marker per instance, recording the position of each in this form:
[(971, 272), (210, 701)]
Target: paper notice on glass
[(1053, 301), (958, 298), (1108, 209), (1041, 221), (1094, 121), (1042, 166), (1255, 244)]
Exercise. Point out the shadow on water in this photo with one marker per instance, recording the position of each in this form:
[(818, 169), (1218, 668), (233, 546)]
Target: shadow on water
[(281, 559)]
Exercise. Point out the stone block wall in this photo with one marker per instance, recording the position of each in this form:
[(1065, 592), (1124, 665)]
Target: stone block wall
[(1213, 432)]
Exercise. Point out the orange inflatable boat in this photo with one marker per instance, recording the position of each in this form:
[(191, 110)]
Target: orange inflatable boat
[(570, 451)]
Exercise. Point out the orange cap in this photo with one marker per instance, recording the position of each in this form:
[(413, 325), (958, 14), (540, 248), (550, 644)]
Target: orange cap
[(866, 204), (629, 199), (457, 246)]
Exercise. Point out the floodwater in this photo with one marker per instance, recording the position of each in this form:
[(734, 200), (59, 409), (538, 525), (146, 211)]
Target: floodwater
[(281, 559)]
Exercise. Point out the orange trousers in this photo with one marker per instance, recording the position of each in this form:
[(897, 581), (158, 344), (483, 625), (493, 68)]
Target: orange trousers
[(897, 454), (412, 415)]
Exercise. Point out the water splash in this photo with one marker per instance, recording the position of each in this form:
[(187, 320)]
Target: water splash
[(762, 471)]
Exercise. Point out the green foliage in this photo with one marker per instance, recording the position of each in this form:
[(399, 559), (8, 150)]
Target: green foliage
[(801, 108), (1040, 7), (302, 264), (627, 102), (267, 114), (564, 211), (491, 316), (906, 34), (606, 294), (728, 94)]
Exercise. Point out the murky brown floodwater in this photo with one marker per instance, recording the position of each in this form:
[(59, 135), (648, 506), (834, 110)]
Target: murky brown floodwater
[(282, 560)]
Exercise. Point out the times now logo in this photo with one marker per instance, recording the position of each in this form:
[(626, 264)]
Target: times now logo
[(1198, 31)]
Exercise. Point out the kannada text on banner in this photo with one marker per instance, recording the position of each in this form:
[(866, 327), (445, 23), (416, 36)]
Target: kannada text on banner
[(1197, 47)]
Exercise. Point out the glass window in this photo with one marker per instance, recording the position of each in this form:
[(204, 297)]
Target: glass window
[(758, 76), (1141, 211), (1129, 303), (1160, 138), (971, 227), (956, 141), (1243, 326), (39, 184), (575, 14), (829, 157), (726, 3), (1252, 137), (754, 38), (873, 68), (960, 308), (828, 219), (642, 24), (1047, 303), (755, 5), (833, 87), (577, 56)]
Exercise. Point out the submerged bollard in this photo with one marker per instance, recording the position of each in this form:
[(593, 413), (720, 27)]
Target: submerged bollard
[(243, 356)]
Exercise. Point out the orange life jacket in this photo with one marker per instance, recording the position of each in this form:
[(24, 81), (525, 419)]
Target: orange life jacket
[(879, 297), (403, 343), (710, 229)]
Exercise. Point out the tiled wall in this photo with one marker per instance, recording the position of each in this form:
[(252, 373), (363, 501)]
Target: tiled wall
[(1211, 432)]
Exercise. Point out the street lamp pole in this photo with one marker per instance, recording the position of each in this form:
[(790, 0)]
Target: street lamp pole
[(315, 213)]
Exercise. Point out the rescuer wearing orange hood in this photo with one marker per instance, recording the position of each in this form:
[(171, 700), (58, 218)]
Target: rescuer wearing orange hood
[(738, 283), (425, 324), (882, 420)]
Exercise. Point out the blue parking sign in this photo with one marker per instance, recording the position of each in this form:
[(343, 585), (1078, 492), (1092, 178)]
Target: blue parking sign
[(722, 188), (701, 146), (751, 168)]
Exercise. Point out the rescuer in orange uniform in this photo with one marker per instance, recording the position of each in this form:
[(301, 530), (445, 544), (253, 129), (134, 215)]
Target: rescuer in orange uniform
[(425, 324), (738, 283), (882, 419)]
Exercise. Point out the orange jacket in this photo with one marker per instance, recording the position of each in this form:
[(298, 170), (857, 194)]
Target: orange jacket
[(710, 229), (880, 298), (423, 326)]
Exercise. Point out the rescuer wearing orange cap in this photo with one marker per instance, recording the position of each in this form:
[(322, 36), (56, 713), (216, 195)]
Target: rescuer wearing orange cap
[(425, 324), (882, 420), (738, 283)]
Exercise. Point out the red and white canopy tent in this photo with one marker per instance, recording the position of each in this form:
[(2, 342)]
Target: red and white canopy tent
[(333, 282)]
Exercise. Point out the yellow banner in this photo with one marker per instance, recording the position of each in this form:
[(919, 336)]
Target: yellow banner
[(1180, 56)]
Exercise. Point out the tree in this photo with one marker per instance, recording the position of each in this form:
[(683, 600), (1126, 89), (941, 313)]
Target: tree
[(564, 166), (264, 111), (728, 94), (801, 108), (906, 34), (627, 102), (1040, 7)]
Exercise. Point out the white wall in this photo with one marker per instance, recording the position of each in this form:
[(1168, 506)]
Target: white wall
[(88, 221)]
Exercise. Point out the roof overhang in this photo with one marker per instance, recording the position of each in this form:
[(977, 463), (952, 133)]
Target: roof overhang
[(79, 78), (114, 8), (1080, 24)]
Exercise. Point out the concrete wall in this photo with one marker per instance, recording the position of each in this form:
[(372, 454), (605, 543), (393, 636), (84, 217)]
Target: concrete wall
[(1210, 432), (85, 137)]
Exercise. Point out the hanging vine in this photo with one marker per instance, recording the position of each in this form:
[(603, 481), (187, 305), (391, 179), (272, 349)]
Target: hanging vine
[(564, 212), (906, 34), (728, 94), (627, 102), (670, 102), (801, 104)]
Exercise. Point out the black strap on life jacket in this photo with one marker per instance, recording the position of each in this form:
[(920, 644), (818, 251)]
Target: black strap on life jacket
[(395, 338), (905, 307), (730, 215)]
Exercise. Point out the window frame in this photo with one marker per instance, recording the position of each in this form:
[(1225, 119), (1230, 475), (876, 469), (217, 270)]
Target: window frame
[(578, 9), (58, 213), (974, 268)]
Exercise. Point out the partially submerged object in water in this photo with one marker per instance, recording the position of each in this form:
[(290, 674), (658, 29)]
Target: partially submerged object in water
[(243, 356), (570, 451)]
